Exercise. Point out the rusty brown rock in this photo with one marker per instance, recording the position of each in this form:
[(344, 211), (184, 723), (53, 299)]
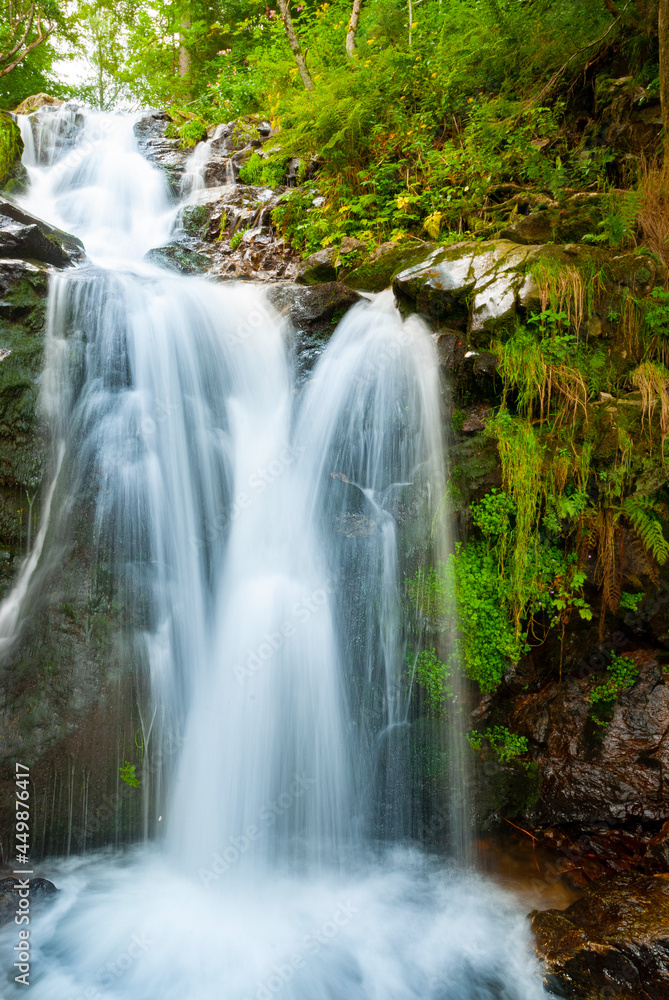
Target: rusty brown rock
[(611, 943), (593, 774)]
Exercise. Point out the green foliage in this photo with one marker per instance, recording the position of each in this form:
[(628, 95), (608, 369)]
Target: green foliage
[(428, 592), (11, 147), (504, 744), (192, 132), (433, 675), (644, 513), (630, 602), (127, 773), (621, 672), (656, 323), (236, 238), (490, 641), (268, 171), (493, 514), (18, 32), (620, 219)]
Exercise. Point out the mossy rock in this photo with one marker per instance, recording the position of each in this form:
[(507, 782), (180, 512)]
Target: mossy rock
[(23, 292), (378, 271), (178, 258), (567, 223), (194, 218), (503, 790), (13, 175)]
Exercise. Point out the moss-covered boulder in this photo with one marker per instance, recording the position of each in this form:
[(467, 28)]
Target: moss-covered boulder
[(377, 271), (319, 267), (179, 258), (13, 175), (481, 287), (567, 223)]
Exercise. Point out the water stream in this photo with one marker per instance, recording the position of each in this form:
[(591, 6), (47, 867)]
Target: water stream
[(261, 536)]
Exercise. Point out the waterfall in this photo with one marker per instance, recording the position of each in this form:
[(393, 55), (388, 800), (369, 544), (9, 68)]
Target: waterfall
[(25, 124), (259, 539), (193, 176)]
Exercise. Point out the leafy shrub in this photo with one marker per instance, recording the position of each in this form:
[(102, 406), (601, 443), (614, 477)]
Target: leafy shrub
[(433, 675), (622, 672), (269, 171), (504, 744), (630, 602), (127, 773)]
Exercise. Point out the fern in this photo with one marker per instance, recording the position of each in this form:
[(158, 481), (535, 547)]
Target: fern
[(643, 514)]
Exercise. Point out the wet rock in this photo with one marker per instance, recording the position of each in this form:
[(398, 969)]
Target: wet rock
[(41, 890), (501, 790), (314, 312), (56, 129), (591, 773), (614, 942), (628, 117), (451, 350), (26, 237), (166, 153), (476, 418), (23, 292), (215, 215), (319, 267), (176, 257), (657, 851)]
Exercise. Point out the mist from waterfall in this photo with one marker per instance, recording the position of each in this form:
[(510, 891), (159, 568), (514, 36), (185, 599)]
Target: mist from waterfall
[(259, 538)]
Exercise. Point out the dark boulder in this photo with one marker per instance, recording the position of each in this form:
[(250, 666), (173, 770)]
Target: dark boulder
[(313, 311), (41, 889), (594, 773), (26, 237), (319, 268), (613, 942)]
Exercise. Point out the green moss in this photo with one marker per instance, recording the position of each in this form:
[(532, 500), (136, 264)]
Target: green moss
[(13, 174), (194, 218), (378, 271), (503, 790)]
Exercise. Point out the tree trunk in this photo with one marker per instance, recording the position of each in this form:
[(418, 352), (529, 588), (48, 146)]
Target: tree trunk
[(663, 30), (353, 27), (293, 41), (184, 54)]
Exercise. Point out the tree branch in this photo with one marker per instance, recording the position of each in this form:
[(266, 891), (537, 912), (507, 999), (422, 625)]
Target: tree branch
[(15, 27), (41, 37)]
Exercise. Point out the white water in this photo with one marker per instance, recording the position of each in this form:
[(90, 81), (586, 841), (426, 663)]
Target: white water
[(25, 125), (260, 538)]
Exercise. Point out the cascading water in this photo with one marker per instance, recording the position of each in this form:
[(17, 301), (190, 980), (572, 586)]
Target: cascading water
[(259, 538)]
